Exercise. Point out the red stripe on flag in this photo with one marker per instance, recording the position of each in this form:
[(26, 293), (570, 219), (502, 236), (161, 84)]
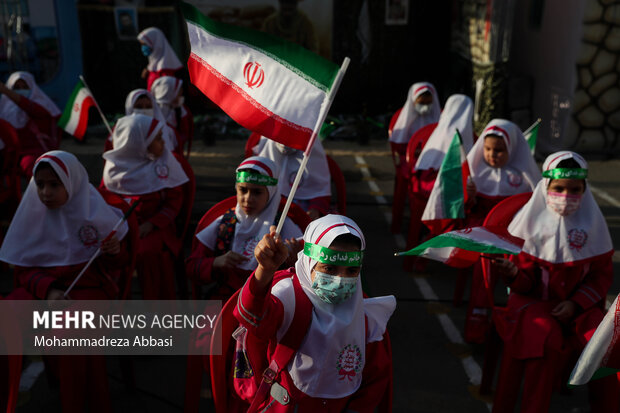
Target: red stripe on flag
[(243, 108), (80, 130)]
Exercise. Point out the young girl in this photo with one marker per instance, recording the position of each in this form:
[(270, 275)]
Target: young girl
[(58, 226), (225, 253), (141, 167), (342, 363), (501, 165), (141, 101), (168, 92), (558, 285), (163, 61), (314, 190), (420, 109), (33, 114), (457, 114)]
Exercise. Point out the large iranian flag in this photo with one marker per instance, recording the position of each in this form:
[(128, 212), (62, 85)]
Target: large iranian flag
[(448, 197), (601, 356), (266, 84), (463, 247), (74, 118)]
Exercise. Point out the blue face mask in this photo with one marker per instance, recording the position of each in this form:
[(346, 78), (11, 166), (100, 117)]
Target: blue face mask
[(24, 92), (146, 50), (333, 289)]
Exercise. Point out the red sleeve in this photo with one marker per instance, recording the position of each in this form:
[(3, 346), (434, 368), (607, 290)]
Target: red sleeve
[(33, 109), (596, 283), (36, 280), (321, 204), (376, 379), (170, 208), (260, 314), (525, 280), (199, 265)]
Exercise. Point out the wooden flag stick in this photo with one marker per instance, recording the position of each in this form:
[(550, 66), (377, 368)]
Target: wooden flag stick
[(105, 121), (327, 103)]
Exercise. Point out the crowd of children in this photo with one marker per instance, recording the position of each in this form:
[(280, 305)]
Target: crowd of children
[(340, 360)]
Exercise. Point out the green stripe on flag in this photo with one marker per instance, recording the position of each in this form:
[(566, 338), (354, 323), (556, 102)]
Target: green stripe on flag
[(450, 240), (310, 66), (66, 113), (452, 197), (532, 136)]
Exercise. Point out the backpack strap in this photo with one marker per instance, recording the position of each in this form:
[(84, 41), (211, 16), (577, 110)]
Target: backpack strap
[(287, 346)]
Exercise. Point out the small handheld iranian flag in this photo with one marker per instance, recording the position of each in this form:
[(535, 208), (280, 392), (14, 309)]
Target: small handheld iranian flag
[(463, 247), (74, 118), (266, 84), (531, 135), (601, 356), (448, 197)]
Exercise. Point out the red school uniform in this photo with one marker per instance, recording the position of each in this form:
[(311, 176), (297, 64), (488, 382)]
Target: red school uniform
[(341, 364)]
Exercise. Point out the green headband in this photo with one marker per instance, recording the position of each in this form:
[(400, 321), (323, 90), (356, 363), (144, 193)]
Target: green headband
[(566, 173), (327, 256), (252, 177)]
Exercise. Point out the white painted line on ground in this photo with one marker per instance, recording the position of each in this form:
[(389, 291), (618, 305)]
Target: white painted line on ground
[(471, 367), (605, 196)]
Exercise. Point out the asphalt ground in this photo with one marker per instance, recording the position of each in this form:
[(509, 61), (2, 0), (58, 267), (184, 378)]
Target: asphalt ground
[(434, 370)]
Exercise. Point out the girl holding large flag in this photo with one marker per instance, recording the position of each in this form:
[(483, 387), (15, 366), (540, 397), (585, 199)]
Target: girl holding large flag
[(59, 224), (33, 114), (343, 362), (225, 251), (558, 286), (501, 165), (141, 168)]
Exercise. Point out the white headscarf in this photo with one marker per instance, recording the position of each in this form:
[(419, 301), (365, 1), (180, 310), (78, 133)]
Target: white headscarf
[(557, 239), (315, 181), (458, 114), (519, 175), (12, 113), (335, 329), (169, 135), (249, 230), (129, 170), (409, 119), (165, 90), (163, 56), (68, 235)]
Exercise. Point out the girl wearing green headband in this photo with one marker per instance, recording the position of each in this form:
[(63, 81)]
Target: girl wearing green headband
[(224, 255)]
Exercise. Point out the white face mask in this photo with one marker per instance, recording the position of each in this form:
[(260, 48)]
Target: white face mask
[(422, 109), (148, 112), (563, 204)]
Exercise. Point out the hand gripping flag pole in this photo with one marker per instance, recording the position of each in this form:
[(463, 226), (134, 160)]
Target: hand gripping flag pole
[(96, 254), (327, 103), (105, 121)]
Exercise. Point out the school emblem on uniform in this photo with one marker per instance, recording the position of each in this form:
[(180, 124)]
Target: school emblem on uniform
[(514, 179), (577, 238), (162, 170), (250, 245), (349, 362), (254, 74), (88, 235)]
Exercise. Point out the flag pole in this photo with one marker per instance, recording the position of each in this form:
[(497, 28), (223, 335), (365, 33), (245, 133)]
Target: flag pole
[(96, 254), (327, 103), (105, 121), (528, 130)]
